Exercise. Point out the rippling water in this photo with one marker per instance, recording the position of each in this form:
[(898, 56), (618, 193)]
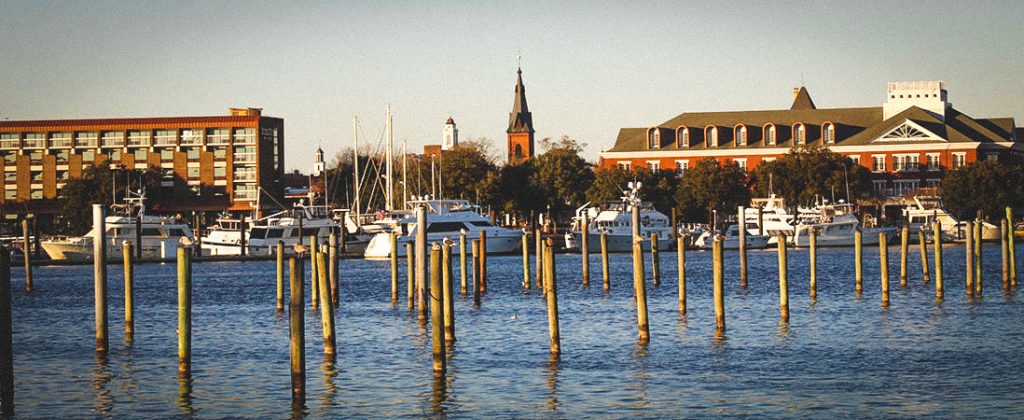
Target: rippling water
[(844, 355)]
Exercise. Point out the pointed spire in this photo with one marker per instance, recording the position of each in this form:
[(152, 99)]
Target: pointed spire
[(802, 100), (520, 120)]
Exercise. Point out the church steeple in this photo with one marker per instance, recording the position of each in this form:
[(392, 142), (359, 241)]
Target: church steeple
[(520, 125)]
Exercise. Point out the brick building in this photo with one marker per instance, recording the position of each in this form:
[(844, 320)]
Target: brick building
[(907, 143), (227, 157), (520, 125)]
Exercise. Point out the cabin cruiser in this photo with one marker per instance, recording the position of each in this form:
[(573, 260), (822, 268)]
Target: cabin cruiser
[(616, 220), (445, 219), (835, 225), (160, 235), (926, 211), (774, 219), (224, 238), (731, 239)]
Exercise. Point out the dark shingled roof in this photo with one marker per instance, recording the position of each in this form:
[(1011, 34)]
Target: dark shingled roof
[(802, 100), (520, 120)]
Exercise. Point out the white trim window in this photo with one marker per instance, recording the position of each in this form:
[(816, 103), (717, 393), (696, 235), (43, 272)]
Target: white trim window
[(855, 159), (682, 166), (624, 165), (683, 137), (653, 165), (879, 186), (828, 133), (959, 160), (908, 162), (711, 134), (799, 134), (770, 134), (741, 135), (878, 163), (905, 186), (742, 163), (934, 164), (653, 138)]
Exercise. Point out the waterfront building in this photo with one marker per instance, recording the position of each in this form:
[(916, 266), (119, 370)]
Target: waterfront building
[(520, 125), (908, 142), (225, 161)]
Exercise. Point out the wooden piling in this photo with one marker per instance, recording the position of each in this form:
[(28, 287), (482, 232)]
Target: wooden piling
[(883, 262), (296, 329), (969, 251), (449, 292), (742, 245), (904, 249), (410, 259), (539, 258), (639, 286), (681, 271), (783, 279), (813, 251), (129, 291), (314, 275), (6, 337), (939, 292), (526, 260), (858, 257), (280, 275), (655, 260), (675, 225), (717, 286), (394, 267), (922, 240), (978, 257), (462, 260), (333, 256), (604, 261), (1012, 250), (476, 272), (437, 310), (551, 284), (99, 271), (483, 261), (27, 246), (326, 308), (421, 263), (585, 249), (184, 311), (1005, 250), (760, 221)]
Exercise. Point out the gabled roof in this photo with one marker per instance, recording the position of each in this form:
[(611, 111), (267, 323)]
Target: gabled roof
[(802, 100)]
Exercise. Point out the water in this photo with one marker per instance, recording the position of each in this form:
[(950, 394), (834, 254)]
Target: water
[(843, 356)]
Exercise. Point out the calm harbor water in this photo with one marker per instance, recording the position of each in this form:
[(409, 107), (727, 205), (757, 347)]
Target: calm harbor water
[(841, 356)]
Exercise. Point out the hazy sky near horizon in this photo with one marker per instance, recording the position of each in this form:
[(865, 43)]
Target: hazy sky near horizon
[(590, 68)]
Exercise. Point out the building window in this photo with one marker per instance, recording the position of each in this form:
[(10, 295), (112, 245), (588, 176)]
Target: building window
[(10, 195), (741, 135), (245, 154), (138, 138), (933, 183), (769, 134), (167, 155), (112, 139), (683, 137), (35, 157), (36, 195), (245, 136), (218, 135), (623, 164), (60, 139), (10, 177), (905, 163), (192, 153), (192, 136), (959, 160), (905, 186), (653, 138), (855, 159), (518, 152), (879, 163), (879, 187), (799, 134), (62, 156), (682, 166), (742, 163), (86, 139), (115, 156), (219, 172), (165, 138), (711, 134), (829, 133), (34, 141), (10, 158), (220, 153), (141, 155), (992, 157), (193, 172), (10, 141), (62, 175), (88, 156), (653, 165), (933, 162)]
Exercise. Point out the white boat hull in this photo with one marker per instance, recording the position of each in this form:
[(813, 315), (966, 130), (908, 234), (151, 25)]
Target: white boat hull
[(617, 243), (868, 237), (82, 251), (379, 246), (753, 242)]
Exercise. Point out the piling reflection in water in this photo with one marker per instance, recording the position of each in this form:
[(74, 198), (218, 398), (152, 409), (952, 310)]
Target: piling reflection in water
[(101, 377)]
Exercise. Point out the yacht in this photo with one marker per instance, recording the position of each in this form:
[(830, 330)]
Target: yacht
[(834, 225), (774, 219), (616, 220), (445, 219), (160, 235), (925, 211), (224, 238), (731, 239)]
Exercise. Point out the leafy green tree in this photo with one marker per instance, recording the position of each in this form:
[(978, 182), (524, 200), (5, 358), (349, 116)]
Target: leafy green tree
[(466, 170), (807, 172), (609, 185), (562, 178), (514, 190), (658, 187), (99, 185), (989, 186), (709, 186)]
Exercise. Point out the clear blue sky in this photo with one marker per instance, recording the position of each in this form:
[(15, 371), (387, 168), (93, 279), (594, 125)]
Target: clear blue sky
[(590, 67)]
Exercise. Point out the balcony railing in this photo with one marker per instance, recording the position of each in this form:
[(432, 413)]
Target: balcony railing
[(191, 141), (245, 139), (164, 141), (138, 141), (245, 176), (245, 158), (60, 143), (10, 144), (218, 139), (245, 194), (34, 144), (112, 142)]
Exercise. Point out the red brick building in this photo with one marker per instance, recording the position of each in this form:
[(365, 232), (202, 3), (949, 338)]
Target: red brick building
[(907, 142), (520, 125)]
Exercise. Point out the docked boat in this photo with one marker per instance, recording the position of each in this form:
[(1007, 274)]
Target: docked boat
[(445, 219), (731, 239), (926, 211), (616, 220), (224, 238), (773, 220), (160, 235), (835, 226)]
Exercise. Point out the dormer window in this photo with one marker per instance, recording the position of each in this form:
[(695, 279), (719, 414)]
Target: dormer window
[(799, 133), (653, 138), (683, 137), (769, 134), (828, 133), (741, 135), (711, 134)]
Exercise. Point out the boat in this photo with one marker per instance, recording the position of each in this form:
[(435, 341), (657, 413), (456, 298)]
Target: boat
[(294, 226), (160, 235), (446, 219), (835, 226), (224, 238), (616, 221), (925, 211), (731, 239), (773, 221)]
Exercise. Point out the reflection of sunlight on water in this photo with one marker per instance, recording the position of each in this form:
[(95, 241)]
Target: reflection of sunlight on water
[(330, 373), (101, 376), (185, 395), (552, 382), (438, 393)]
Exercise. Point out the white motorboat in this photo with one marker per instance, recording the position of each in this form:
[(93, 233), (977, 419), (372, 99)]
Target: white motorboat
[(836, 226), (160, 235), (773, 221), (731, 239), (926, 211), (445, 219), (616, 220), (224, 238), (293, 226)]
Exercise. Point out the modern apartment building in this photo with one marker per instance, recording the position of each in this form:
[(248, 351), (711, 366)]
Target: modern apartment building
[(227, 158)]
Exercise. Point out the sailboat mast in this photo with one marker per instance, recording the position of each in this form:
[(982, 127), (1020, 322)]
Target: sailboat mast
[(355, 162), (405, 178), (389, 201)]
